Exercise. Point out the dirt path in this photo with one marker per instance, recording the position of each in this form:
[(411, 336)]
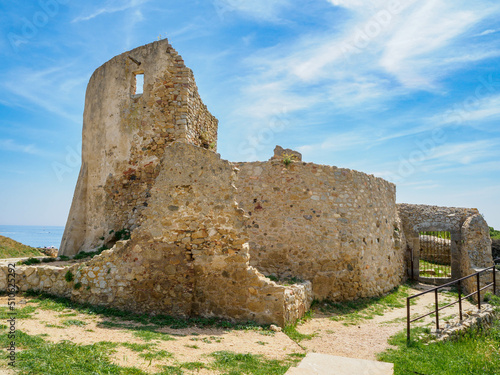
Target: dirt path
[(369, 337), (363, 340)]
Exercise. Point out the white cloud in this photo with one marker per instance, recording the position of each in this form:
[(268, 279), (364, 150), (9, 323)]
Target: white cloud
[(415, 47)]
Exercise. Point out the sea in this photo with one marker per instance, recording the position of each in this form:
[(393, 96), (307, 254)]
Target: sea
[(34, 236)]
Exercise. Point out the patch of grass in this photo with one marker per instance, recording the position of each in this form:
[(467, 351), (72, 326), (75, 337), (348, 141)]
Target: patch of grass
[(68, 314), (352, 312), (149, 335), (63, 257), (492, 299), (137, 347), (48, 260), (20, 313), (49, 302), (156, 354), (74, 322), (193, 366), (296, 355), (192, 346), (262, 343), (54, 326), (170, 370), (30, 261), (39, 357), (13, 249), (431, 269), (239, 364), (476, 352), (291, 331)]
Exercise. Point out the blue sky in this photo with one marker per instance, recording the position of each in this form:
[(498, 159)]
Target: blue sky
[(406, 90)]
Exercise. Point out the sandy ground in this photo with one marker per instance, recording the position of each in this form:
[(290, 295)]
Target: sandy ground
[(369, 337), (363, 340)]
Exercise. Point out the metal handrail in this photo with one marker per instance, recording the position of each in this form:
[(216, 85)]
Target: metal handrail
[(460, 297)]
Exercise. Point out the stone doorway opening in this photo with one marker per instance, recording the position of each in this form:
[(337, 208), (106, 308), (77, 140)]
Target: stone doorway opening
[(435, 255)]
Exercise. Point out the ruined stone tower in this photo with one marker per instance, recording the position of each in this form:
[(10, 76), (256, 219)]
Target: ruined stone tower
[(125, 131)]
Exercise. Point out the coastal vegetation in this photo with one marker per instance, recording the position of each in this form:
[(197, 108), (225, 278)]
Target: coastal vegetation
[(13, 249)]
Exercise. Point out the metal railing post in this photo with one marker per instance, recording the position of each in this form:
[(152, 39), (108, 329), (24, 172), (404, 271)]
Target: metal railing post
[(494, 280), (478, 292), (437, 311), (407, 319), (460, 299)]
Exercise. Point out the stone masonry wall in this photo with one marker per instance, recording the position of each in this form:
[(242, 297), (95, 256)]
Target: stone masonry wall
[(335, 227), (124, 137), (476, 251), (188, 257), (470, 242)]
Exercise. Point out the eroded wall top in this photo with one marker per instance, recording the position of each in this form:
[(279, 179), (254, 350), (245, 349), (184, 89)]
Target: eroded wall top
[(126, 128)]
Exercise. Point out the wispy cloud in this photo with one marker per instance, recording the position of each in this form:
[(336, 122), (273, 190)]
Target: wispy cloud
[(50, 89), (263, 10), (13, 146), (473, 109), (488, 32), (371, 59), (109, 10)]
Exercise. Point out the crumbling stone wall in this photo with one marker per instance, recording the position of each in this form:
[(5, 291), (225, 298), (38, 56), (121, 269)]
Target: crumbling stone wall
[(188, 257), (124, 137), (336, 227)]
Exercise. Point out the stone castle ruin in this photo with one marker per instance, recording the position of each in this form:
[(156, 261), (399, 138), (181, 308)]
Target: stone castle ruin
[(190, 234)]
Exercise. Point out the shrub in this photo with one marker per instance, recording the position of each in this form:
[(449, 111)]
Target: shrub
[(30, 261), (69, 277)]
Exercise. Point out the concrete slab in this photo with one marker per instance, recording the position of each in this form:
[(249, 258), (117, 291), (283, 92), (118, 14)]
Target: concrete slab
[(324, 364)]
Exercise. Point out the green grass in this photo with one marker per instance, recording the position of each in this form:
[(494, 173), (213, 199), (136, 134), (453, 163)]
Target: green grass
[(39, 357), (18, 313), (30, 261), (35, 356), (137, 347), (494, 234), (291, 331), (149, 335), (49, 302), (156, 354), (74, 322), (193, 365), (240, 364), (475, 352), (13, 249), (353, 312), (440, 270)]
